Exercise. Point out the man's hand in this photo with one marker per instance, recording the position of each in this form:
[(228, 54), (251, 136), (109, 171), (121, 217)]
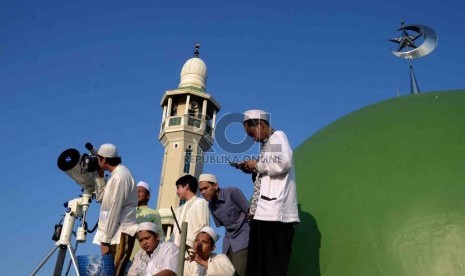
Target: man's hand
[(191, 254), (249, 166), (196, 256), (105, 248), (101, 172)]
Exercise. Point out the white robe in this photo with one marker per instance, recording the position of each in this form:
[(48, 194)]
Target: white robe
[(164, 257), (195, 213), (218, 265), (278, 195), (118, 210)]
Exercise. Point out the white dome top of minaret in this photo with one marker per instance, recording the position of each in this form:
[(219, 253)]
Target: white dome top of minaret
[(194, 72)]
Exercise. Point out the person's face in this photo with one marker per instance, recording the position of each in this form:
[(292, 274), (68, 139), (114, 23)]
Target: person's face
[(203, 245), (148, 241), (101, 161), (208, 190), (255, 130), (143, 196), (182, 191)]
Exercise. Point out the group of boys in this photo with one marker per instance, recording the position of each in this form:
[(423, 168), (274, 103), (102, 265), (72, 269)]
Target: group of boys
[(159, 257), (258, 234)]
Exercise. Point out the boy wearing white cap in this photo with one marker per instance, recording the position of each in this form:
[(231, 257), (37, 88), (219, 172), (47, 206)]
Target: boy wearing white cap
[(228, 207), (202, 261), (143, 212), (157, 257), (274, 202), (117, 221)]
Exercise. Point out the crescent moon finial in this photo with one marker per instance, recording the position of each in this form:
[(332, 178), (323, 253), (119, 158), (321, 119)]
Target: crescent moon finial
[(408, 47)]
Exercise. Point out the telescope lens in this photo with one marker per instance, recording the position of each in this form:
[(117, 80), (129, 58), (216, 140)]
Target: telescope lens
[(68, 159)]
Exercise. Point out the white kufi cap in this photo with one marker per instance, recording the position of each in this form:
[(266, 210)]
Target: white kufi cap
[(108, 151), (211, 232), (150, 226), (256, 114), (208, 177), (144, 184)]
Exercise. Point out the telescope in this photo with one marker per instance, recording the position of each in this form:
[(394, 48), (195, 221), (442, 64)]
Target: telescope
[(84, 170), (81, 168)]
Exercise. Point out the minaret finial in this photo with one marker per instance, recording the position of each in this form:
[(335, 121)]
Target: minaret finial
[(196, 52)]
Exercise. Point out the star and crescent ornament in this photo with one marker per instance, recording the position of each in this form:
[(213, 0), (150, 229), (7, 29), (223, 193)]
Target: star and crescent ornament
[(410, 46)]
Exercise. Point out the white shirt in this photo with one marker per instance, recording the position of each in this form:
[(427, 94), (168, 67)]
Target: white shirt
[(164, 257), (278, 196), (218, 265), (118, 210), (195, 213)]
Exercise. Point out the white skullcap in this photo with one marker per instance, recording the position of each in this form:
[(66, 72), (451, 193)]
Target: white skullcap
[(211, 232), (144, 184), (108, 151), (150, 226), (208, 177), (256, 114)]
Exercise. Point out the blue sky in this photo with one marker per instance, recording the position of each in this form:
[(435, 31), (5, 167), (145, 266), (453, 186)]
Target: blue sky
[(77, 72)]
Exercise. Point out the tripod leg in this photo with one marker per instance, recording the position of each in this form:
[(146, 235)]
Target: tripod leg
[(70, 261), (41, 264), (60, 260), (73, 258)]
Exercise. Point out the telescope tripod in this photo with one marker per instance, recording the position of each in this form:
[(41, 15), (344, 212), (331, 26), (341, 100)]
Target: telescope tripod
[(75, 208)]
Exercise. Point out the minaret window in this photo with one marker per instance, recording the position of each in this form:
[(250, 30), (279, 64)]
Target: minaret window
[(187, 161), (175, 121), (208, 129), (194, 122)]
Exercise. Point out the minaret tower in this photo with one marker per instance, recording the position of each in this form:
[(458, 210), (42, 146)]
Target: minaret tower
[(186, 132)]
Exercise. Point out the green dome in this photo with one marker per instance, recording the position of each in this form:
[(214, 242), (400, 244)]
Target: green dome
[(381, 191)]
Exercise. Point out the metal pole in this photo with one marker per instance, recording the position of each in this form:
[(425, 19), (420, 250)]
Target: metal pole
[(182, 249), (414, 88)]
